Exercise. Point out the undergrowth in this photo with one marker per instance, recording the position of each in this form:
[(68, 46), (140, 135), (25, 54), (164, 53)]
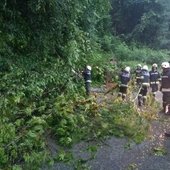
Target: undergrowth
[(37, 103), (91, 119)]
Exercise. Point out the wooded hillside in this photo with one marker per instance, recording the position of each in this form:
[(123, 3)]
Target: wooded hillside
[(41, 41)]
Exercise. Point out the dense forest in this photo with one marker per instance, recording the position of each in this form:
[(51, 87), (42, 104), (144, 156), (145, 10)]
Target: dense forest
[(41, 41)]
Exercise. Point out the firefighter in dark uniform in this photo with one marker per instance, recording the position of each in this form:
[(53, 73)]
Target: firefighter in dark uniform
[(144, 86), (87, 78), (154, 79), (138, 74), (124, 80), (165, 87)]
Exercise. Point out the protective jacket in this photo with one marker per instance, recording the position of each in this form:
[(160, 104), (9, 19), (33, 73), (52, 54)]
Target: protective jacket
[(87, 75), (138, 73), (154, 77), (124, 78), (145, 77), (165, 85)]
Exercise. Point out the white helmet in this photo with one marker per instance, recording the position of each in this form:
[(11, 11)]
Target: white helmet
[(145, 67), (165, 65), (154, 65), (89, 68), (127, 69), (139, 65)]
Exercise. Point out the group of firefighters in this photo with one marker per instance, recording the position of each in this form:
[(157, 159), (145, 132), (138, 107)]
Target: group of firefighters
[(145, 79)]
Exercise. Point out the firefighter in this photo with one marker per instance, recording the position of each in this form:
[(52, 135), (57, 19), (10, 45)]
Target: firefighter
[(144, 86), (124, 80), (138, 74), (154, 78), (165, 87), (87, 78)]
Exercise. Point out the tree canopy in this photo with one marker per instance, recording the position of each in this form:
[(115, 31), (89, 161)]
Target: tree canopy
[(138, 20)]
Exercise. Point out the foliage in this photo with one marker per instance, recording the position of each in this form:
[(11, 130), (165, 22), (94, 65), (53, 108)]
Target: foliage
[(133, 53), (127, 122), (138, 21), (40, 43), (97, 121), (38, 28), (73, 121), (159, 151), (36, 110), (132, 166), (25, 94)]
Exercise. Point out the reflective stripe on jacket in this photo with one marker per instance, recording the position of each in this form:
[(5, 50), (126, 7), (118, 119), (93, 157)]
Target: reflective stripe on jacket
[(154, 82), (145, 84), (87, 75), (165, 90), (123, 85), (154, 77)]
